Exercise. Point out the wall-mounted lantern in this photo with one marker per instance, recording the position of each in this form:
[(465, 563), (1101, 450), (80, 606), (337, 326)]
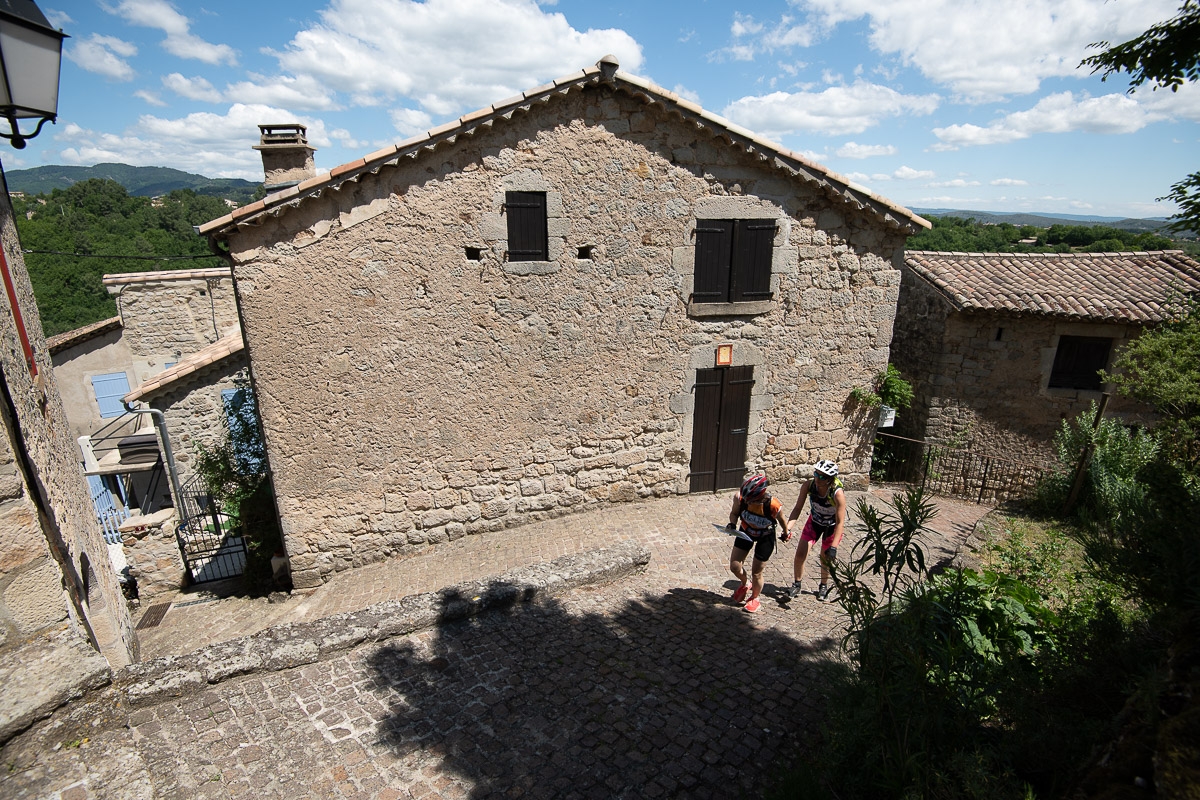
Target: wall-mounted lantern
[(30, 60)]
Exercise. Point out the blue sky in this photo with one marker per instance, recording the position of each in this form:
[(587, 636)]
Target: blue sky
[(975, 104)]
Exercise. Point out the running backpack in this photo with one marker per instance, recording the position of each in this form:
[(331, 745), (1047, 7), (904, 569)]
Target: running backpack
[(758, 517)]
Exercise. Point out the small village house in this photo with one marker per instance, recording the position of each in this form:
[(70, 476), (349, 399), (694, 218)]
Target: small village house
[(592, 292), (1002, 347)]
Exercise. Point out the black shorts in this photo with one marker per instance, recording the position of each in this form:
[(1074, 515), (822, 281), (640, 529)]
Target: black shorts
[(764, 546)]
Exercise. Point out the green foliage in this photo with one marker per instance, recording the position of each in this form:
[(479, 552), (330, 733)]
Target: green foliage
[(99, 218), (955, 234), (235, 472), (1167, 55), (139, 181), (1162, 368), (890, 389), (1111, 483)]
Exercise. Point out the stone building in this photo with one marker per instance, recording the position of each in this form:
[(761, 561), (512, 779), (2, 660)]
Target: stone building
[(592, 292), (58, 605), (1001, 347)]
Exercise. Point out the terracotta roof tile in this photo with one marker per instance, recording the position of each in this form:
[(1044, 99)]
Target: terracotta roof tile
[(792, 163), (1126, 287), (61, 341), (159, 276), (189, 365)]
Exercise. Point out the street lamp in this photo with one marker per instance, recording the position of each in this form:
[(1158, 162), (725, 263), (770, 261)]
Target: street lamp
[(30, 59)]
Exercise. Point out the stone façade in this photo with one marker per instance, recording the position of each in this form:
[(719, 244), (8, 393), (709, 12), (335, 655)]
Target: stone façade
[(416, 387)]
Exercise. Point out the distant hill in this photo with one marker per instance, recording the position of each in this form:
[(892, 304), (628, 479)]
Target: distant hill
[(138, 181), (1046, 220)]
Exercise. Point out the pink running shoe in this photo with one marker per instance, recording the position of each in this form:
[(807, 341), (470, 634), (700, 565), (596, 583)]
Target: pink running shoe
[(753, 606), (740, 595)]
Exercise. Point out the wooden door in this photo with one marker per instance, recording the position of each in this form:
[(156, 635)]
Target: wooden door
[(720, 428)]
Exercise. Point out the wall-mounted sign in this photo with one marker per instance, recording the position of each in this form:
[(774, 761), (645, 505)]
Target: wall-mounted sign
[(887, 416), (724, 355)]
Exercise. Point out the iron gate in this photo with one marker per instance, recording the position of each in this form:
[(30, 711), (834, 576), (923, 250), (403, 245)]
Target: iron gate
[(951, 471), (210, 540)]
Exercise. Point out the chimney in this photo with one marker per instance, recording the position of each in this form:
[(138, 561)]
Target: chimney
[(287, 157)]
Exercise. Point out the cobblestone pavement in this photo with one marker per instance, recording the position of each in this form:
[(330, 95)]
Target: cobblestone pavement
[(653, 686)]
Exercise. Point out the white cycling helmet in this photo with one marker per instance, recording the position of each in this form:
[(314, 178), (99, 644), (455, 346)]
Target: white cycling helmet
[(825, 469)]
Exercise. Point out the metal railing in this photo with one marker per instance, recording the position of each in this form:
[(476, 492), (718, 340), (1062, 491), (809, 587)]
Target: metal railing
[(957, 472), (210, 540)]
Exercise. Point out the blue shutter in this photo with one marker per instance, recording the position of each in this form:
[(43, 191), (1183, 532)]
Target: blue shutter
[(109, 390)]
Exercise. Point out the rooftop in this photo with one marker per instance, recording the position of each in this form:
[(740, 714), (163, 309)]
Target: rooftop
[(189, 365), (62, 341), (1113, 287), (606, 73)]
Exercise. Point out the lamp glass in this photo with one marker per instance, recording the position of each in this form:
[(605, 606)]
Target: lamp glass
[(31, 61)]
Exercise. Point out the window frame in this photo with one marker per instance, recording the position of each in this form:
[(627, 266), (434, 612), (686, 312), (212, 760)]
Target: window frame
[(733, 260), (1073, 357), (528, 227), (110, 405)]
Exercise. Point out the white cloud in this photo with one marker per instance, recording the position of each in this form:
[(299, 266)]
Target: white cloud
[(1008, 182), (909, 174), (301, 92), (149, 97), (985, 50), (1081, 204), (410, 121), (192, 88), (57, 19), (837, 110), (179, 40), (751, 37), (855, 150), (686, 93), (103, 55), (217, 145), (956, 183), (1056, 113), (457, 54)]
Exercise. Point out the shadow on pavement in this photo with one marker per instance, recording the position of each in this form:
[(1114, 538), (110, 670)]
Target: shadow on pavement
[(680, 694)]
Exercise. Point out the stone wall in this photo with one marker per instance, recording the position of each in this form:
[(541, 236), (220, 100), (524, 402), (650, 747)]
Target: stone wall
[(74, 369), (193, 409), (50, 537), (416, 387), (166, 315), (153, 553), (982, 379)]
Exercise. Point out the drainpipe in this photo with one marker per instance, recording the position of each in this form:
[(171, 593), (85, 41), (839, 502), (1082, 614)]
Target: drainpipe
[(160, 422)]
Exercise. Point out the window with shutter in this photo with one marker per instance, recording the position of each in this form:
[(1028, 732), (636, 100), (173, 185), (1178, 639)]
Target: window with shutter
[(110, 389), (527, 234), (733, 260), (1078, 361)]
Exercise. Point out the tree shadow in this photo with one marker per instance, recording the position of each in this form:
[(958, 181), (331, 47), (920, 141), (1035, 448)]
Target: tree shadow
[(669, 695)]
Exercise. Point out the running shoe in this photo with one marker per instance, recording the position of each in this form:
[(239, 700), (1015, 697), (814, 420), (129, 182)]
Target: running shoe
[(753, 606), (741, 593), (823, 593), (795, 591)]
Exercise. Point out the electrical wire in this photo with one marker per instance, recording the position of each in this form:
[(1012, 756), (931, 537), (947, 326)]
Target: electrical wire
[(127, 258)]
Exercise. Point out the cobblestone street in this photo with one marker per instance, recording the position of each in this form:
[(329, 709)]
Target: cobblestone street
[(651, 686)]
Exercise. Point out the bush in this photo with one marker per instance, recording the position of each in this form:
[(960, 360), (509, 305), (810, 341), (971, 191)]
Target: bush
[(1111, 487)]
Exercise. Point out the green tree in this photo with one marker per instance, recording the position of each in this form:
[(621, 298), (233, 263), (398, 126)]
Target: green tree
[(95, 227), (1166, 56), (1162, 368)]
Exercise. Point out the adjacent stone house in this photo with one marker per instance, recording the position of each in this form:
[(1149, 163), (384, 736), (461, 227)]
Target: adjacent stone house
[(1001, 347), (592, 292), (58, 607)]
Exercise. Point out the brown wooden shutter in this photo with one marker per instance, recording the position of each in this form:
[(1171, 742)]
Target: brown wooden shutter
[(714, 244), (735, 423), (750, 277), (706, 423), (527, 236)]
